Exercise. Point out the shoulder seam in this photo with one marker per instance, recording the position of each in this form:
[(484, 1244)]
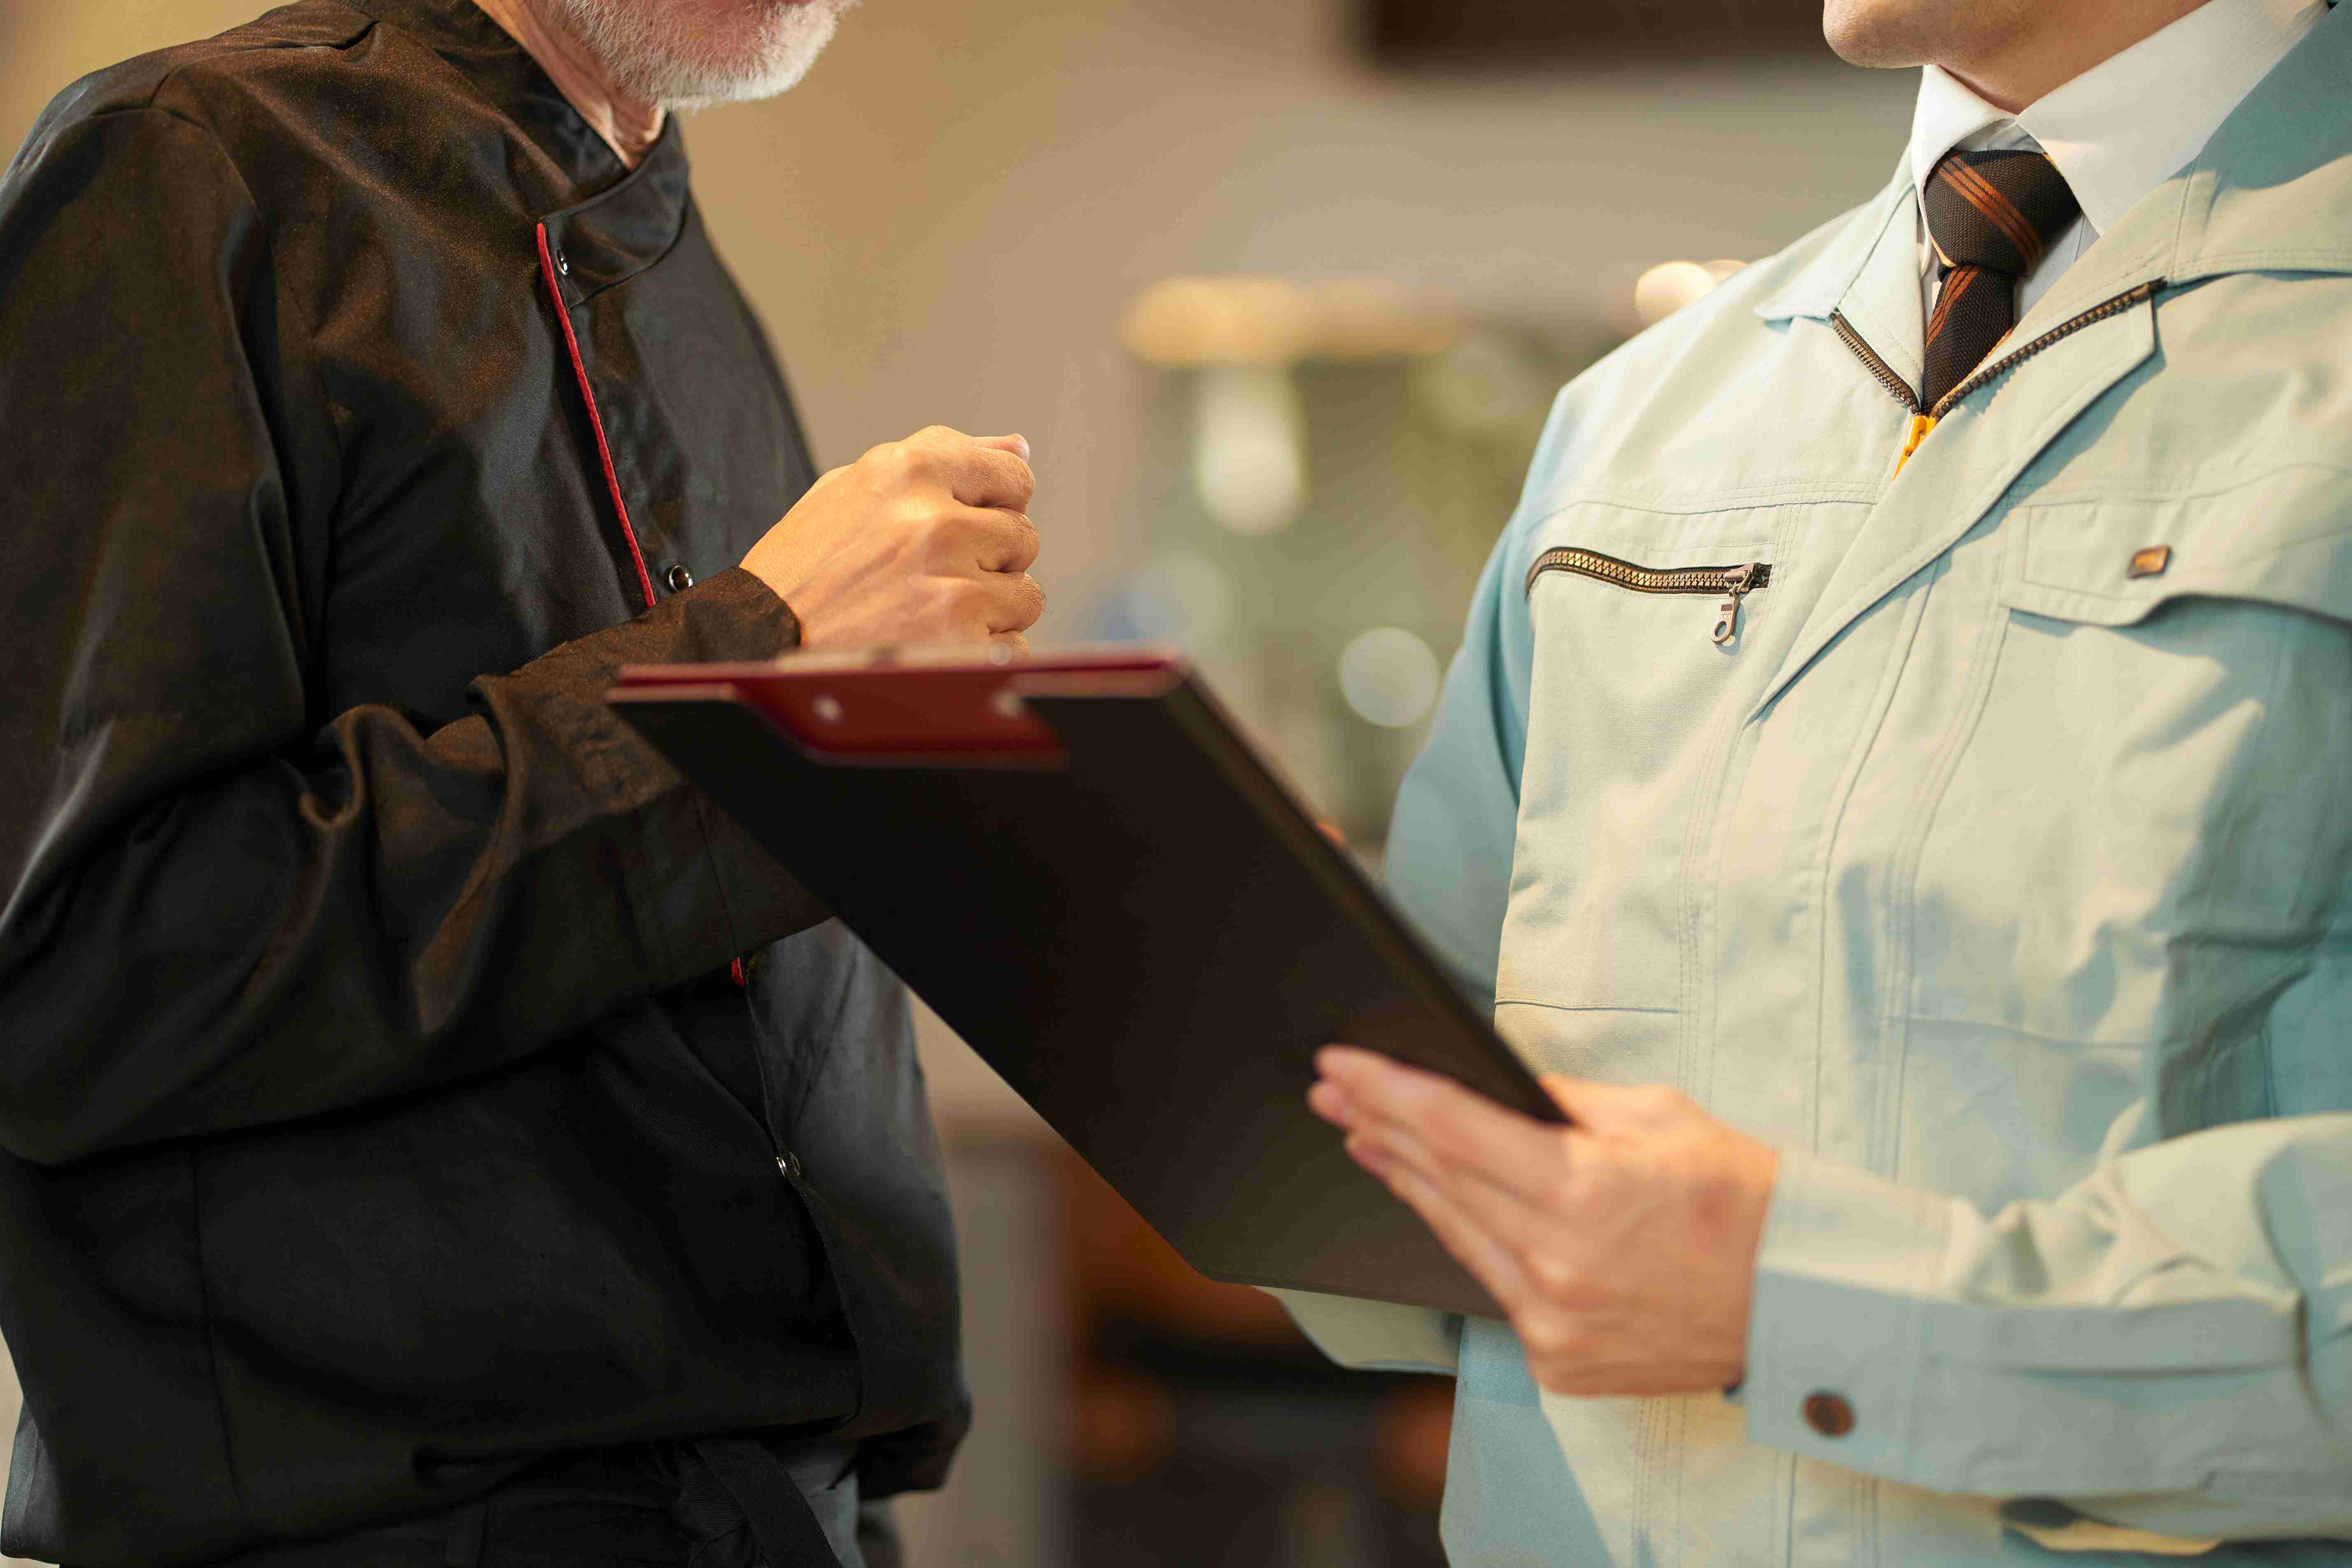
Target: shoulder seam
[(369, 24)]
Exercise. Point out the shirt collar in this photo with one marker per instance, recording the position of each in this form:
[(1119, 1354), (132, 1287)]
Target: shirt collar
[(2270, 190), (2130, 122)]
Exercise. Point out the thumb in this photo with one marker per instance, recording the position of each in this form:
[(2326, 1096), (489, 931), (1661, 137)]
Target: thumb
[(1016, 445)]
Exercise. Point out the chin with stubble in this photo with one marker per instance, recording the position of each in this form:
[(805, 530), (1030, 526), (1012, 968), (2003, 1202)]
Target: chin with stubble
[(688, 54), (1894, 33)]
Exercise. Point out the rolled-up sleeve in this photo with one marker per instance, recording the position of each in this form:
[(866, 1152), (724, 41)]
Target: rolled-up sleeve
[(2166, 1345)]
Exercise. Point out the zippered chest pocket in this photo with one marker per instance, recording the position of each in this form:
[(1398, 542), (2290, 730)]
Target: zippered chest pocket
[(1728, 583), (1639, 676)]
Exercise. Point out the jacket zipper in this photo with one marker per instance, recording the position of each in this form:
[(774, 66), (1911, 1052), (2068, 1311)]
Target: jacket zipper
[(1734, 582), (1925, 419)]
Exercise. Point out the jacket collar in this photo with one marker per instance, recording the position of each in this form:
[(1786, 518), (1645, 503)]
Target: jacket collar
[(2270, 191), (608, 221), (502, 70), (1816, 288)]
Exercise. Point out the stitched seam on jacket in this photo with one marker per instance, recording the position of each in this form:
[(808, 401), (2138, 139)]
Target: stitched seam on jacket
[(2101, 490), (1864, 742), (1903, 887), (2260, 261), (258, 47), (1704, 988), (1694, 890), (718, 878), (2242, 809), (1862, 493)]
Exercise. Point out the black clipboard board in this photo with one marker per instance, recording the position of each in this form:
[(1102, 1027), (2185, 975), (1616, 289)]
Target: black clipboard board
[(1080, 865)]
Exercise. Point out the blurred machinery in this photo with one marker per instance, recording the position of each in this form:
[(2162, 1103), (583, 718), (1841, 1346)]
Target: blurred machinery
[(1332, 462)]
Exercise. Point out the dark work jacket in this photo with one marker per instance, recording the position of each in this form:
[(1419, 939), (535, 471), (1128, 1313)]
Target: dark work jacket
[(377, 1111)]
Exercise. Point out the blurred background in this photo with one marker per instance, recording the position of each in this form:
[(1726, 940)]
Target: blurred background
[(1279, 290)]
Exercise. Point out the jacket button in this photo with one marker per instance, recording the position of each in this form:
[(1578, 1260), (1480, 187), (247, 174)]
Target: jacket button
[(1828, 1415), (563, 264), (789, 1164), (678, 578)]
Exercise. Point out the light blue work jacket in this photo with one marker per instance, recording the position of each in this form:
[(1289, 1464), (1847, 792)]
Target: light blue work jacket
[(1995, 870)]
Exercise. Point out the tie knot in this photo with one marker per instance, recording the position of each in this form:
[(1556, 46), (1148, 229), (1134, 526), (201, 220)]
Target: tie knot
[(1996, 210)]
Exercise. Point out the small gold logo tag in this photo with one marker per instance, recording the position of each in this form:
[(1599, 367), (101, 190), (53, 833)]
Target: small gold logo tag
[(2147, 563)]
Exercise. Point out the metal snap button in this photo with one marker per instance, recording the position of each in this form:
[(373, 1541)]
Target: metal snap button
[(563, 264), (789, 1164), (1829, 1413), (678, 578)]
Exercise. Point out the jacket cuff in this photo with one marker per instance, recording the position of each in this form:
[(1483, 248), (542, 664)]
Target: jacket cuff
[(1834, 1337), (1899, 1334), (1376, 1336), (700, 890), (730, 617), (734, 898)]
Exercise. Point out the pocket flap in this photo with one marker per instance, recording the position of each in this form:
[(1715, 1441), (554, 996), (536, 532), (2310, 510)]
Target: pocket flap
[(2284, 539)]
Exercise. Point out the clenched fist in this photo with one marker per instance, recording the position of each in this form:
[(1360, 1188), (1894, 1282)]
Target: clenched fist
[(920, 540)]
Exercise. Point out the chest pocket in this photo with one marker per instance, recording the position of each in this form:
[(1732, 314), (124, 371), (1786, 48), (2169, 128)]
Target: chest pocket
[(2146, 839), (1652, 633), (2284, 539)]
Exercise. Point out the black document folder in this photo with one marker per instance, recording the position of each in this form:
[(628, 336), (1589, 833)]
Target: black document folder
[(1079, 864)]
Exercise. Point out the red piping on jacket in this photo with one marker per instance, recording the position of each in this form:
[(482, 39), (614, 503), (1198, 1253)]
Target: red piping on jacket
[(595, 420), (604, 458)]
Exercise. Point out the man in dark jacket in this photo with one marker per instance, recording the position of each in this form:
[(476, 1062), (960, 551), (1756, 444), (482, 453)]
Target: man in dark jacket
[(427, 1126)]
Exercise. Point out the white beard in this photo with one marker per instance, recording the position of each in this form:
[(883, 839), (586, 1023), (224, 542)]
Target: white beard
[(770, 46)]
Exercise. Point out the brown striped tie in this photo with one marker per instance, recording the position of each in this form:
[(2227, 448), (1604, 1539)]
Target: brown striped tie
[(1991, 216)]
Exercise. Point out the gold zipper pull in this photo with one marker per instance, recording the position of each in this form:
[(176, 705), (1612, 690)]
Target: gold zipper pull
[(1734, 583), (1920, 425)]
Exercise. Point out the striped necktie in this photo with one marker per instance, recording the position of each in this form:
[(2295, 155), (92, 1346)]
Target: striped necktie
[(1991, 217)]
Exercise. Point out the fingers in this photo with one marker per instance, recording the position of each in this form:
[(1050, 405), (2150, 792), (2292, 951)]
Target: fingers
[(988, 475), (1500, 1212), (1014, 602), (1513, 1152), (1491, 1262), (991, 472), (1016, 445), (1003, 541)]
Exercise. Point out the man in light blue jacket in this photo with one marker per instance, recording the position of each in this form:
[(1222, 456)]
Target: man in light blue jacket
[(1909, 724)]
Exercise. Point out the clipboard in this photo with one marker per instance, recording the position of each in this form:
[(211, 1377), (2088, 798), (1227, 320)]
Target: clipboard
[(1080, 865)]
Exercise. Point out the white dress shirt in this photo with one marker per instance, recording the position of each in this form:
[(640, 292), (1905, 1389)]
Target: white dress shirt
[(2120, 129)]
